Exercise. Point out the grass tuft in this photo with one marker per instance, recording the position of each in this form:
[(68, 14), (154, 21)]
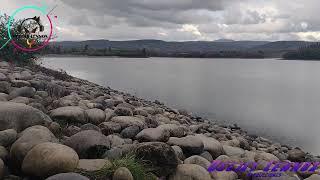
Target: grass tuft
[(138, 169)]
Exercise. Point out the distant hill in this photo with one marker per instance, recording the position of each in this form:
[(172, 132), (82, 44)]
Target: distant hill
[(163, 46), (224, 40), (189, 48)]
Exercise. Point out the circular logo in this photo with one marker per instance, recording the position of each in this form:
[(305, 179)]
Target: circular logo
[(31, 33)]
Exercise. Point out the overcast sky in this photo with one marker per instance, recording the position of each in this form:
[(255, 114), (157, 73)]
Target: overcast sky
[(181, 20)]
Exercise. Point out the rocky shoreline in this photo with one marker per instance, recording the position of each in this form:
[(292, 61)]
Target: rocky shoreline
[(54, 126)]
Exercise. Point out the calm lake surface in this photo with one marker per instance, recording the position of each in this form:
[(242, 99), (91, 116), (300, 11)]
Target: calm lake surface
[(274, 98)]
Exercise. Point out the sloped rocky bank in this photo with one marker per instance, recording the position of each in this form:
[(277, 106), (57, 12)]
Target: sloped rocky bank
[(57, 127)]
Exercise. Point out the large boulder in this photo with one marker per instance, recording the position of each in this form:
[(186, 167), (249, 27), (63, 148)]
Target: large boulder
[(8, 137), (197, 160), (191, 145), (130, 132), (160, 155), (296, 155), (263, 156), (122, 173), (23, 92), (233, 151), (29, 138), (48, 159), (89, 144), (126, 121), (153, 134), (190, 172), (213, 146), (69, 113), (175, 130), (68, 176), (19, 116), (95, 116)]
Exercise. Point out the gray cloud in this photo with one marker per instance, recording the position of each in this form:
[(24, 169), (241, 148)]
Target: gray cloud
[(179, 20)]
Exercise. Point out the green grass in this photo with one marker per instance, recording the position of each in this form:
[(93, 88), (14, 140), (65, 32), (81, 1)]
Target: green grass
[(138, 169)]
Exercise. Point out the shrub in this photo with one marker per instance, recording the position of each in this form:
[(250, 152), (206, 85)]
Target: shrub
[(8, 53)]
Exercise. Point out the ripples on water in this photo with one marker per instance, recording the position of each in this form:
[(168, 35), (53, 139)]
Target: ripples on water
[(279, 99)]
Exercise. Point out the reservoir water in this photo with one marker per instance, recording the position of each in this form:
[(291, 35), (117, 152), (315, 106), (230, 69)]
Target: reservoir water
[(273, 98)]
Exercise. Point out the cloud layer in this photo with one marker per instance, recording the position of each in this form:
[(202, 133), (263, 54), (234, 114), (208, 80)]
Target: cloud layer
[(182, 20)]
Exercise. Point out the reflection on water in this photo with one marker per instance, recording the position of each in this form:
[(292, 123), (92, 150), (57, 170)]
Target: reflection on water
[(279, 99)]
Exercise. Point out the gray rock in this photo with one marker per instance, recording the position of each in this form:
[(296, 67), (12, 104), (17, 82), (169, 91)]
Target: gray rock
[(179, 153), (95, 116), (24, 75), (48, 159), (213, 146), (90, 127), (162, 118), (108, 128), (4, 64), (207, 156), (265, 156), (20, 83), (233, 151), (71, 130), (2, 169), (19, 116), (55, 128), (140, 112), (115, 141), (69, 113), (160, 155), (22, 100), (153, 135), (38, 106), (68, 176), (197, 160), (89, 144), (4, 154), (313, 177), (4, 97), (5, 87), (3, 77), (23, 92), (296, 155), (175, 130), (8, 137), (114, 153), (122, 173), (191, 145), (28, 139), (190, 172), (224, 175), (126, 121), (130, 132), (109, 114), (123, 111), (93, 165)]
